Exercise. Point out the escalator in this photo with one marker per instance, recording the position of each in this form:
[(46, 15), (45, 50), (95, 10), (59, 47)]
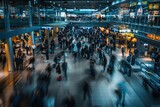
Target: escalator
[(151, 80)]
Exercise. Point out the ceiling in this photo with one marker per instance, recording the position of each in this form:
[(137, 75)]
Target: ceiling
[(68, 4)]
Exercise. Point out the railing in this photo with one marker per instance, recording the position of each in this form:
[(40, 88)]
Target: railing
[(24, 22), (142, 65), (153, 69), (142, 20)]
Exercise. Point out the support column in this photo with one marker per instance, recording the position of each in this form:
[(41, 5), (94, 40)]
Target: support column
[(48, 40), (30, 21), (39, 23), (8, 45)]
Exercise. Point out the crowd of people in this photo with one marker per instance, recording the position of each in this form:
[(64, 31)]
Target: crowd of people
[(83, 44)]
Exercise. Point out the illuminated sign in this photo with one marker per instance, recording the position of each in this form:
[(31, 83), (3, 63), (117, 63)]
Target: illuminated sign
[(133, 4), (154, 6), (153, 37), (49, 28), (125, 30)]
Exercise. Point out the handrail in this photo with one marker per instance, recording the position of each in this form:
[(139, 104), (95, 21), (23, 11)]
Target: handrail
[(145, 66)]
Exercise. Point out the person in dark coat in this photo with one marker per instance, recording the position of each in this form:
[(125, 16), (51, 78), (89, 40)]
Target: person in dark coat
[(58, 69), (21, 63), (49, 69), (64, 67), (123, 51), (47, 54), (32, 61), (87, 91), (17, 60), (27, 49), (104, 63), (133, 59), (69, 101), (15, 100), (3, 61)]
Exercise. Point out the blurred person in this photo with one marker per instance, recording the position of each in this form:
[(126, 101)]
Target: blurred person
[(27, 49), (48, 101), (47, 53), (153, 55), (4, 60), (129, 58), (157, 61), (58, 70), (87, 91), (49, 69), (52, 46), (136, 52), (110, 68), (15, 99), (104, 62), (121, 93), (42, 58), (30, 77), (32, 61), (133, 60), (64, 67), (100, 55), (21, 63), (69, 101), (123, 51), (17, 61), (37, 100), (107, 48), (92, 67), (127, 68), (110, 49)]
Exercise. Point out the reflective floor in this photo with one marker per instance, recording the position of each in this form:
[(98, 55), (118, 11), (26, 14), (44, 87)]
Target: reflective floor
[(102, 88)]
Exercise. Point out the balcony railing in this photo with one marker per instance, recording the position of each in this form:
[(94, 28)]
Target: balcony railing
[(24, 22), (140, 20)]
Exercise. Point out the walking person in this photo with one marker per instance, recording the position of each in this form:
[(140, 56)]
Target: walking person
[(58, 70), (69, 101), (153, 55), (32, 61), (64, 67), (87, 91), (3, 61), (136, 52), (27, 49), (21, 63), (123, 51), (104, 63), (49, 69), (121, 94)]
